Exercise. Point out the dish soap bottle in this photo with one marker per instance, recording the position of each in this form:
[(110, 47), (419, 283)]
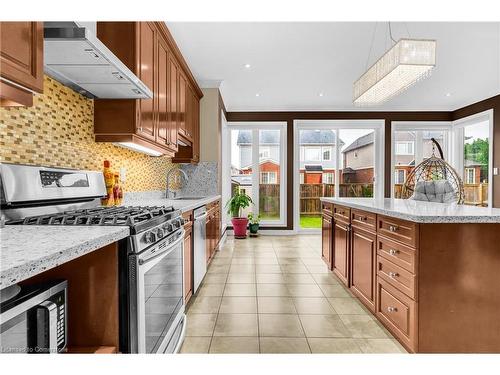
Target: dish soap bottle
[(109, 181), (117, 191)]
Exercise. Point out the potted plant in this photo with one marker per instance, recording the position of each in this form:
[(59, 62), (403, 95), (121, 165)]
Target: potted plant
[(253, 224), (234, 206)]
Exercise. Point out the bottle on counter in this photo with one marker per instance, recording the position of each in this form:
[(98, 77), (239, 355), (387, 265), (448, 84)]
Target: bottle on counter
[(117, 190), (109, 182)]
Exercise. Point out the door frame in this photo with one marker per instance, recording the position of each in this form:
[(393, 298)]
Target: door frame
[(458, 152), (255, 126), (378, 184)]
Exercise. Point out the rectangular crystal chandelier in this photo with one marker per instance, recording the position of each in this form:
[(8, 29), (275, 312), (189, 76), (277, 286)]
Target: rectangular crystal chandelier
[(407, 62)]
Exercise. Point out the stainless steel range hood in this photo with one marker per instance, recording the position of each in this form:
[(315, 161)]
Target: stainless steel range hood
[(75, 57)]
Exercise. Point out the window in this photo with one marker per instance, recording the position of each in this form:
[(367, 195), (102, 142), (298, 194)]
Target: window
[(327, 153), (404, 148), (312, 153), (470, 176), (399, 176), (268, 178), (328, 178), (265, 152)]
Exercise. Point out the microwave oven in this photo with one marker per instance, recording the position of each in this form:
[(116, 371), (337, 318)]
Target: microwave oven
[(35, 320)]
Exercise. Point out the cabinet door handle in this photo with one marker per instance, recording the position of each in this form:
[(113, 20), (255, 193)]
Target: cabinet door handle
[(393, 228), (393, 275), (393, 252), (392, 309)]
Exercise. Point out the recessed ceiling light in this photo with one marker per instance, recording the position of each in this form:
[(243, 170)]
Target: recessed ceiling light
[(448, 94), (320, 94), (257, 94), (247, 66)]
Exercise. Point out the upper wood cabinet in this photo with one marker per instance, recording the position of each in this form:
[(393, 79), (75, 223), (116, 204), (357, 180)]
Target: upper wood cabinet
[(148, 50), (21, 62)]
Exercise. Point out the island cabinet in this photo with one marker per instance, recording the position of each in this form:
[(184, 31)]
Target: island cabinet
[(188, 255), (341, 243), (21, 62), (363, 255), (326, 235), (434, 286), (165, 123)]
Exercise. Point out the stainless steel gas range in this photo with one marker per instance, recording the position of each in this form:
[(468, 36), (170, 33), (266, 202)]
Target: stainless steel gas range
[(152, 318)]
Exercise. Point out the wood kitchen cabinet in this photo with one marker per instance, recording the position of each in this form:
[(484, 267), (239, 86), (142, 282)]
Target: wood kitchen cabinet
[(326, 239), (148, 50), (363, 265), (21, 62), (341, 241), (213, 226)]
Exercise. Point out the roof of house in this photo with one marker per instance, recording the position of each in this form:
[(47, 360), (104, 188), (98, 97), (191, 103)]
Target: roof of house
[(313, 168), (306, 137), (362, 141), (472, 163)]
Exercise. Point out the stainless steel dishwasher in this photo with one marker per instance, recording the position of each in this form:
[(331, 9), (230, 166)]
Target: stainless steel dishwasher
[(199, 253)]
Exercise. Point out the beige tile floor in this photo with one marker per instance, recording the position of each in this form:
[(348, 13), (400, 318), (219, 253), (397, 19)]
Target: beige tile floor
[(274, 294)]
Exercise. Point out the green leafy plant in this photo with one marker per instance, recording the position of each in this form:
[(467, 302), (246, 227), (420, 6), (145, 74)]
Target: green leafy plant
[(237, 202), (253, 219)]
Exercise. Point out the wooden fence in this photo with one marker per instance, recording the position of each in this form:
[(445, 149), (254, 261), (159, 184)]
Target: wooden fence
[(475, 194)]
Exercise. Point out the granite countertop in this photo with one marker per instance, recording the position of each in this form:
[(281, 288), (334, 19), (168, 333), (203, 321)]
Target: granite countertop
[(27, 250), (422, 212), (183, 205)]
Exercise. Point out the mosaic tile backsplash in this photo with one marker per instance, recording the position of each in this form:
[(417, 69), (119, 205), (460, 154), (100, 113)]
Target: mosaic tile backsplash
[(58, 132)]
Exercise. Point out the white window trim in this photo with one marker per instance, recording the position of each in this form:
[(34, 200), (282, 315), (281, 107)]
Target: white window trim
[(407, 143), (397, 170), (329, 174), (323, 150), (269, 174), (313, 148), (418, 126), (255, 126), (466, 177), (458, 152), (376, 124)]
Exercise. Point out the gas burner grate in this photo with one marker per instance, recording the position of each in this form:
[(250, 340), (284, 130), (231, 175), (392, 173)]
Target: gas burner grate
[(126, 216)]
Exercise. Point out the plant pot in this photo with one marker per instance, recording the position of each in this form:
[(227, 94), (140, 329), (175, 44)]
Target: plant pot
[(240, 226), (254, 228)]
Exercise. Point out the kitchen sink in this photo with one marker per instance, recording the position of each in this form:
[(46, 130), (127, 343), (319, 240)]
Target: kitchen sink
[(188, 198)]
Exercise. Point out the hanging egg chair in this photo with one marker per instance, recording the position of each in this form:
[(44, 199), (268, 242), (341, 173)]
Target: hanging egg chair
[(434, 180)]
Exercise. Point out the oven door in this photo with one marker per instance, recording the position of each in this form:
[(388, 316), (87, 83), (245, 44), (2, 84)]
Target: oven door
[(160, 300)]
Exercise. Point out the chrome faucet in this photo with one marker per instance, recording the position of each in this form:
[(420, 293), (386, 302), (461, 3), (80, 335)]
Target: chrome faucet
[(174, 192)]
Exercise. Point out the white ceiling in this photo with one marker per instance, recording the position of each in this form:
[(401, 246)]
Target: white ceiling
[(291, 63)]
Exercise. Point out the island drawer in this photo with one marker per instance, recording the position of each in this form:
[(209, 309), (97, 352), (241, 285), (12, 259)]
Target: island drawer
[(399, 230), (342, 213), (327, 208), (398, 313), (364, 220), (397, 253), (396, 276)]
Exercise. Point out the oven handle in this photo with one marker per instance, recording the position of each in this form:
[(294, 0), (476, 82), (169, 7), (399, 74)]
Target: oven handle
[(166, 252)]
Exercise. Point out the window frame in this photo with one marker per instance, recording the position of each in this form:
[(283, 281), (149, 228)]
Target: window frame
[(312, 148), (466, 177), (328, 149), (255, 127)]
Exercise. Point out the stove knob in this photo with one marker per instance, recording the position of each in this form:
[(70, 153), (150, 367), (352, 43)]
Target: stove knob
[(149, 237), (169, 227), (177, 224), (160, 233)]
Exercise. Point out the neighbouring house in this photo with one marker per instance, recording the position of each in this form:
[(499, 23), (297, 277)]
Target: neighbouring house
[(358, 160), (317, 159), (475, 172)]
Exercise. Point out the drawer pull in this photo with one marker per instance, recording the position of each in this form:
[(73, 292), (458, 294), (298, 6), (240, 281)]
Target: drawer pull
[(393, 275), (392, 309), (393, 228), (363, 218), (393, 252)]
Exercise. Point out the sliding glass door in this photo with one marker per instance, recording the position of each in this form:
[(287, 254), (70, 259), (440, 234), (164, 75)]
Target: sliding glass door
[(335, 159), (258, 165)]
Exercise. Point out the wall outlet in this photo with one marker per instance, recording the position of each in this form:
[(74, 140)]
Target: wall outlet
[(123, 174), (495, 171)]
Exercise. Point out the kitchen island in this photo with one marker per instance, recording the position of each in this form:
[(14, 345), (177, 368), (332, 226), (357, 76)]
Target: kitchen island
[(427, 271)]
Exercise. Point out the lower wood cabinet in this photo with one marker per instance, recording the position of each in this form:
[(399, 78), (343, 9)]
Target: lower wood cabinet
[(213, 226), (326, 239), (341, 240), (363, 265)]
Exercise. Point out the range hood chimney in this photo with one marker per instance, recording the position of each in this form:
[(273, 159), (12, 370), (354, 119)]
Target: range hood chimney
[(75, 57)]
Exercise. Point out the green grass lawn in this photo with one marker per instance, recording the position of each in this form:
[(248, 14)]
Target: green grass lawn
[(310, 221)]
